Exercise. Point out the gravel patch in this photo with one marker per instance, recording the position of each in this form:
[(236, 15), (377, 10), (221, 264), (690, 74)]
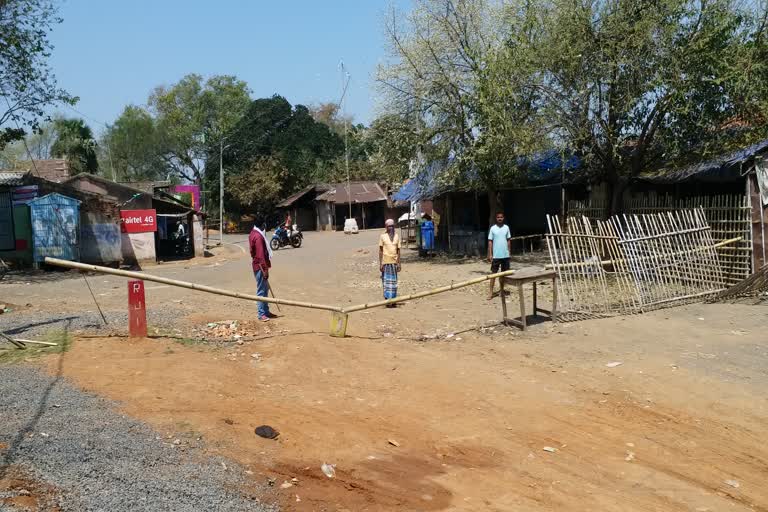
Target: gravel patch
[(97, 459), (27, 324)]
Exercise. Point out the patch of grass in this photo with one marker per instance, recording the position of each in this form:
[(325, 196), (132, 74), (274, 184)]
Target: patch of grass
[(9, 354), (187, 342), (183, 426)]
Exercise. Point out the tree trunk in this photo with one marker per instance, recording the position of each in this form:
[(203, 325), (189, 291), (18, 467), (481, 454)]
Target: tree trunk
[(495, 205), (616, 188)]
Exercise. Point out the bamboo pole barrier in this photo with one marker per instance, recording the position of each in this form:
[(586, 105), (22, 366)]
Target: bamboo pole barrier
[(427, 293), (46, 343), (184, 284), (606, 263)]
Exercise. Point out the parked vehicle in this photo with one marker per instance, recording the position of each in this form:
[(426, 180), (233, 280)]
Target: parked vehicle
[(283, 238)]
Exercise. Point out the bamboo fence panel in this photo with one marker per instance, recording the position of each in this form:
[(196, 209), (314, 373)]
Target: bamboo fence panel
[(593, 209), (633, 263), (586, 289), (727, 215)]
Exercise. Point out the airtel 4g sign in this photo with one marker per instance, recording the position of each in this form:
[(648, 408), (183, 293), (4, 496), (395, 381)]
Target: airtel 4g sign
[(138, 221)]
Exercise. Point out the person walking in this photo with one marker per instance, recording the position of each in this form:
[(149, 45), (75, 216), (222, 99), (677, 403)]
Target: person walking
[(499, 248), (389, 260), (261, 262)]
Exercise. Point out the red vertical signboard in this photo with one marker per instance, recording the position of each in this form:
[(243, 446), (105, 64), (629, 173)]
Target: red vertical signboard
[(137, 312)]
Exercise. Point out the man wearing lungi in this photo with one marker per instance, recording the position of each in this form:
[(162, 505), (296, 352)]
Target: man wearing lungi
[(389, 260)]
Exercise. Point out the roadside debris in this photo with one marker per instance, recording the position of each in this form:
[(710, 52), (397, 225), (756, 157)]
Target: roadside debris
[(328, 469), (549, 449), (266, 432), (393, 442), (630, 456), (229, 330), (614, 364)]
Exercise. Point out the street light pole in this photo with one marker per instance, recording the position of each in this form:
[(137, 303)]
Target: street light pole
[(221, 192)]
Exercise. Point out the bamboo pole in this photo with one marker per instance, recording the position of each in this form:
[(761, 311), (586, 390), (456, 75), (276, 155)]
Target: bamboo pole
[(46, 343), (606, 263), (427, 293), (184, 284), (15, 343)]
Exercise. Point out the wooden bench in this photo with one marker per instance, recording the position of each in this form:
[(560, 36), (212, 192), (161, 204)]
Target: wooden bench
[(520, 278)]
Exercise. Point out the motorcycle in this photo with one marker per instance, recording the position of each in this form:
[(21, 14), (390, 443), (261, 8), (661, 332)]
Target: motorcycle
[(282, 238)]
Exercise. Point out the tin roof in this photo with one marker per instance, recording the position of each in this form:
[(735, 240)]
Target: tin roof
[(147, 186), (359, 191), (319, 187), (720, 169), (51, 169), (11, 179)]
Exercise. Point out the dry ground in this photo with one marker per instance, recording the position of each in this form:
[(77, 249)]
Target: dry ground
[(678, 426)]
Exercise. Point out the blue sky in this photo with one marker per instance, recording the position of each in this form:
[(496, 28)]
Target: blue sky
[(112, 53)]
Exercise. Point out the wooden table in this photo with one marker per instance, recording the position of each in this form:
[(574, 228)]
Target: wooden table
[(520, 278)]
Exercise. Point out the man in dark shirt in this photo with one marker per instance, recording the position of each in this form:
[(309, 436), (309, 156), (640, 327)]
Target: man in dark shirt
[(261, 261)]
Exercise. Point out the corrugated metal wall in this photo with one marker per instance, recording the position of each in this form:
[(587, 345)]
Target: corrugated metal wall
[(7, 240), (55, 227)]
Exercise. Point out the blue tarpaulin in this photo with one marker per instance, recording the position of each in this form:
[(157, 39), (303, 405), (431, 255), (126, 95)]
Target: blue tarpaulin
[(541, 168), (424, 185)]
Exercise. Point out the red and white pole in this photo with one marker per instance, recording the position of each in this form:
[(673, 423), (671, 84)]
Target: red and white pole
[(137, 311)]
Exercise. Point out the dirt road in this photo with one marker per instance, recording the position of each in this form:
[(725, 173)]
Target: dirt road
[(483, 420), (330, 268)]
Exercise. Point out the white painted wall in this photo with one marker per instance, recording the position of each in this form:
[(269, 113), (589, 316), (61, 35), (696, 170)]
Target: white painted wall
[(197, 234), (138, 247)]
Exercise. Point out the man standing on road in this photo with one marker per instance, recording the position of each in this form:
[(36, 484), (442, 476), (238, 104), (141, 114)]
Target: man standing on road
[(499, 248), (389, 260), (261, 261)]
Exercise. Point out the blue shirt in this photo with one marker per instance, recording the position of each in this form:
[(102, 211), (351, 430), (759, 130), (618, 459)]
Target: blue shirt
[(499, 236)]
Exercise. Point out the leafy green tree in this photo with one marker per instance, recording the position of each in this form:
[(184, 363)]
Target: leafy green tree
[(391, 143), (329, 113), (192, 117), (634, 84), (27, 84), (74, 141), (39, 143), (273, 129), (258, 186), (456, 75), (361, 142), (131, 147)]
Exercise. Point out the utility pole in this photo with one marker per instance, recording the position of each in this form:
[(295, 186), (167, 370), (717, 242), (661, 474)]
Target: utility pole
[(344, 86), (346, 163), (221, 192)]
